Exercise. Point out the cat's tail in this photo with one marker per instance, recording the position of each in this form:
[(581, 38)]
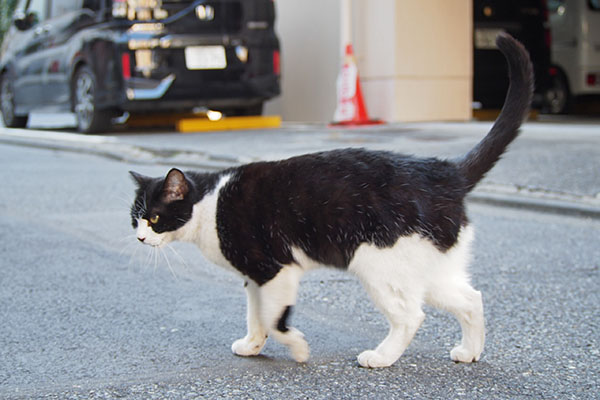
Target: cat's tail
[(477, 162)]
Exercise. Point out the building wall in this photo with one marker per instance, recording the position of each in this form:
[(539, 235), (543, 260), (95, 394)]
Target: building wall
[(414, 58), (309, 34)]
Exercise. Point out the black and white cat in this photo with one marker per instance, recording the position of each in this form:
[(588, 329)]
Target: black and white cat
[(395, 221)]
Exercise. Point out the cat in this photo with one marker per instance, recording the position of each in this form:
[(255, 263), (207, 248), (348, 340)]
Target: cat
[(397, 222)]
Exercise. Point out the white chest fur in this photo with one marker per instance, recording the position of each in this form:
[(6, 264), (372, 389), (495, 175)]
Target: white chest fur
[(202, 227)]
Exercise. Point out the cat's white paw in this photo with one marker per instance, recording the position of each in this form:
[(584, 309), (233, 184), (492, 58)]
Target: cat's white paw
[(300, 350), (294, 340), (464, 355), (372, 359), (248, 346)]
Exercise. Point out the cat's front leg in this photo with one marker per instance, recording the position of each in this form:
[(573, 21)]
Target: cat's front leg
[(254, 341), (277, 298)]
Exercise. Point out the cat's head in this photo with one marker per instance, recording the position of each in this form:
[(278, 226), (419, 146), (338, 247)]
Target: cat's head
[(162, 207)]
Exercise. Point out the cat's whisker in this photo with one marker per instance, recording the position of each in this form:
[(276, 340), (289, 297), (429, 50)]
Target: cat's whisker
[(127, 238), (149, 256), (129, 245), (135, 255), (123, 197), (155, 255), (179, 257), (168, 263), (129, 248), (144, 203), (127, 241)]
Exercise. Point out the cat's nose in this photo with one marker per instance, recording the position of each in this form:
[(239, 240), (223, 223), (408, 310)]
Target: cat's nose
[(141, 239)]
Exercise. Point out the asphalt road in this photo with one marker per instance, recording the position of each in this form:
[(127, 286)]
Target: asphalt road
[(554, 158), (88, 313)]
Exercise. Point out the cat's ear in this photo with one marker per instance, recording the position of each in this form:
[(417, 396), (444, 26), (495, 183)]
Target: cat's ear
[(141, 180), (175, 187)]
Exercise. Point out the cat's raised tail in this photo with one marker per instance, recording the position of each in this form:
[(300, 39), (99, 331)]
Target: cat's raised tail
[(477, 162)]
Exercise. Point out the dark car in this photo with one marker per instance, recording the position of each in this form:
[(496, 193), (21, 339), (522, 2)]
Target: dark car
[(100, 58), (526, 20)]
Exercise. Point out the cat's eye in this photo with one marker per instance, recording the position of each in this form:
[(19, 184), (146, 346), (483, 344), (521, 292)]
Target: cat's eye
[(154, 219)]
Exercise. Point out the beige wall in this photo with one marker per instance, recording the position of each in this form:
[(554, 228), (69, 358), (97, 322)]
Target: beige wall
[(309, 33), (414, 58)]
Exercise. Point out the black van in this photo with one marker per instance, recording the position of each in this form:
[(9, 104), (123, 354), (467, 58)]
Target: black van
[(100, 58), (526, 20)]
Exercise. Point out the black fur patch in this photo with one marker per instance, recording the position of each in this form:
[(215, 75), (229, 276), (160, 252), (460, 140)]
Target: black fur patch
[(328, 203), (282, 323)]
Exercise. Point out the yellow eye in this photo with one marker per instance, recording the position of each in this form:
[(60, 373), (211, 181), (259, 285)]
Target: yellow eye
[(154, 219)]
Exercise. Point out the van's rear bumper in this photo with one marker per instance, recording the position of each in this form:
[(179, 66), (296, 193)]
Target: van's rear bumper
[(164, 81)]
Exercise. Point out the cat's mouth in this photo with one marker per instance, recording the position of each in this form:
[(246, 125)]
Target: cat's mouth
[(151, 241)]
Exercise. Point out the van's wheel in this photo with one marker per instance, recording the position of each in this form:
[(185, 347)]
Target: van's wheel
[(90, 119), (558, 96), (7, 104)]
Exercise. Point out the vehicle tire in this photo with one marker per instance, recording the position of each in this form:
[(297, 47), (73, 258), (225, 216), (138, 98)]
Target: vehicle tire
[(558, 97), (7, 105), (89, 118)]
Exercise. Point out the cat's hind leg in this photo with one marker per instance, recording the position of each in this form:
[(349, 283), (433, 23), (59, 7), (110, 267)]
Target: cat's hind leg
[(404, 316), (276, 300), (465, 303), (400, 301), (450, 289), (254, 341)]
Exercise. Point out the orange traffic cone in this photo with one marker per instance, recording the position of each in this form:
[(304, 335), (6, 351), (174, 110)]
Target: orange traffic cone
[(351, 109)]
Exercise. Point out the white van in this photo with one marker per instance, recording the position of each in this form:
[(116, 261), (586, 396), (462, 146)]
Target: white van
[(575, 26)]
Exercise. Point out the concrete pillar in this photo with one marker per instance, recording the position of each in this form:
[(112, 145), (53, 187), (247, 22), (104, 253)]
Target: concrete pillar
[(309, 33), (414, 58)]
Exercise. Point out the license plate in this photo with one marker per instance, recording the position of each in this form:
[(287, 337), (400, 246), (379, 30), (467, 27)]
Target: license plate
[(205, 57), (485, 39)]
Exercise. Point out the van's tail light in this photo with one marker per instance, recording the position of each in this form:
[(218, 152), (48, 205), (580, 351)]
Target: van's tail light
[(547, 32), (592, 79), (126, 66), (276, 63)]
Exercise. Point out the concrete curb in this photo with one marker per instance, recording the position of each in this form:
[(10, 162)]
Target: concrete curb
[(129, 153), (546, 205), (113, 149)]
